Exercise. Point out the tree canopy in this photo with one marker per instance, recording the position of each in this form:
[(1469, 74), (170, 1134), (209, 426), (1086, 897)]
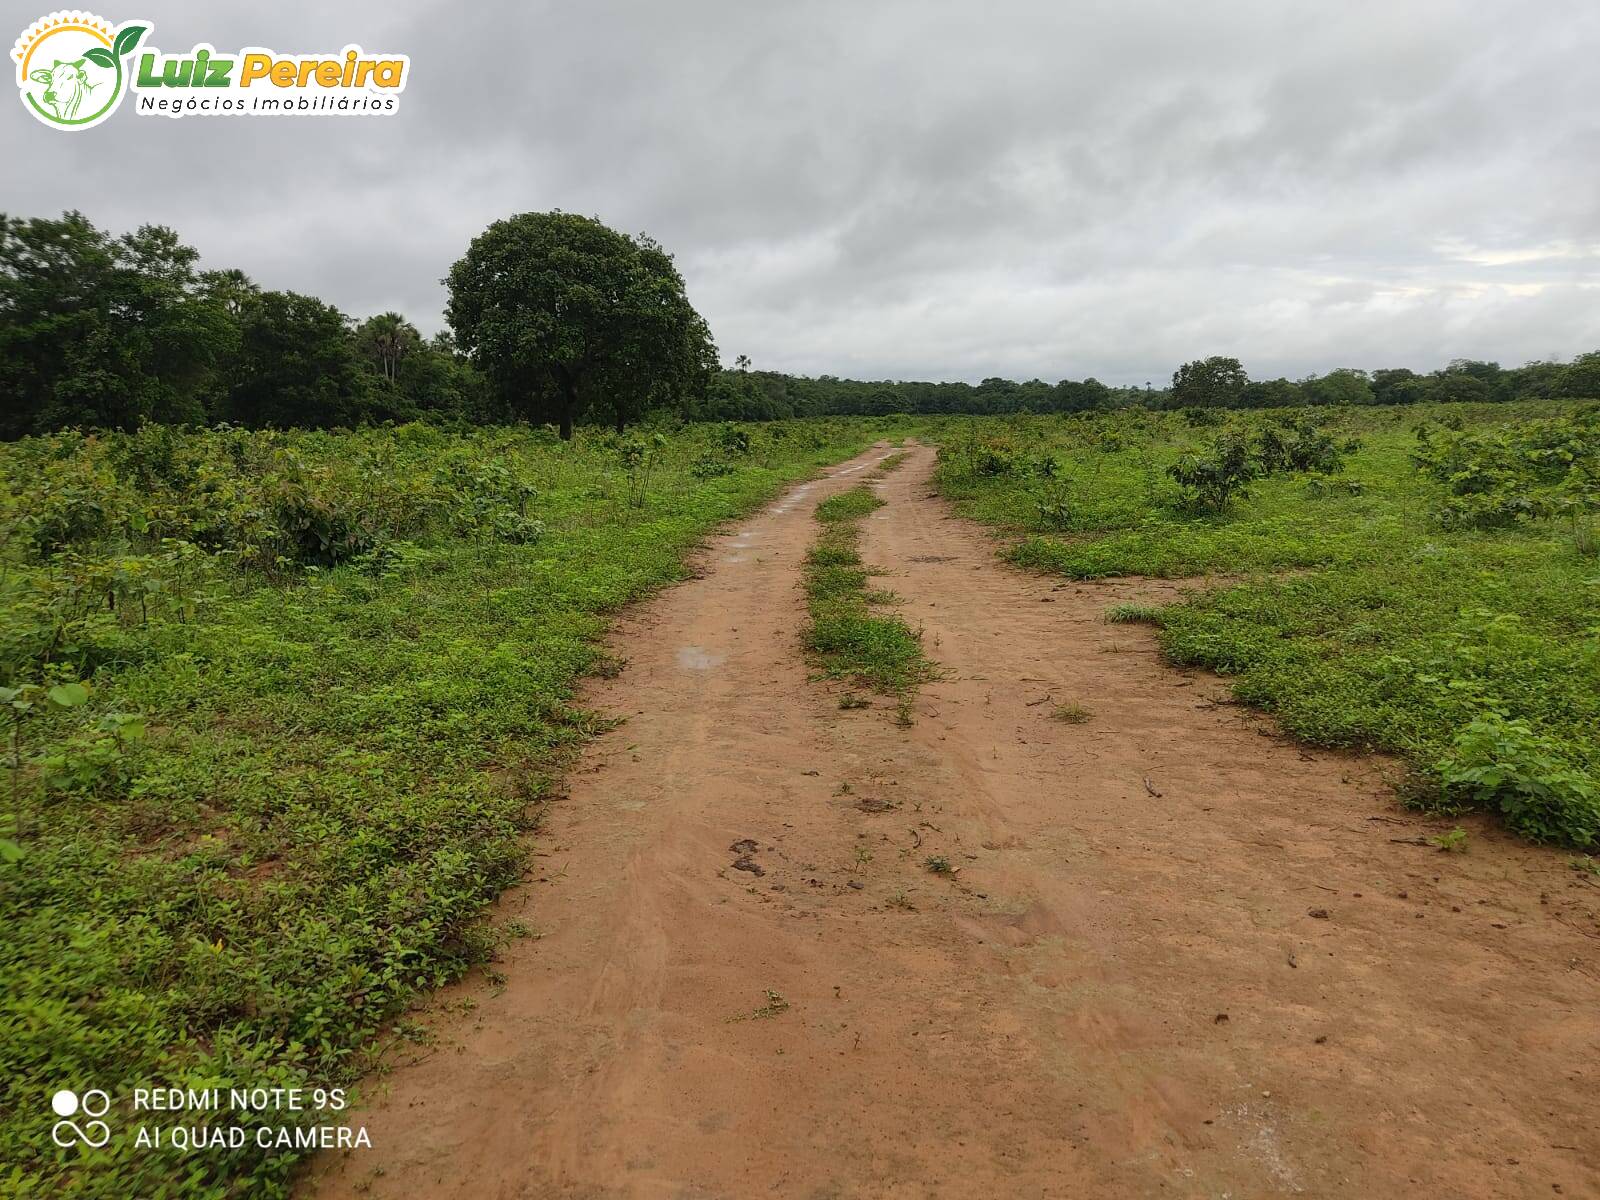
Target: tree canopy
[(115, 332), (568, 317), (1215, 382)]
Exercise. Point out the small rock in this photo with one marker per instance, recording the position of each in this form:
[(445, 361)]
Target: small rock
[(857, 884), (1320, 914)]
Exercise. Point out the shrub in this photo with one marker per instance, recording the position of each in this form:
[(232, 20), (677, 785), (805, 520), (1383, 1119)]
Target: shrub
[(709, 466), (1502, 477), (317, 528), (1300, 445), (731, 439), (1052, 503), (1210, 481), (1504, 763)]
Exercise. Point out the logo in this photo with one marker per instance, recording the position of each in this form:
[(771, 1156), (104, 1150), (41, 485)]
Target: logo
[(71, 69), (92, 1133)]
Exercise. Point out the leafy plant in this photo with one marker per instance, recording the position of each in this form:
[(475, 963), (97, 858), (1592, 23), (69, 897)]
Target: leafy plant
[(1504, 763), (638, 455), (1511, 475), (1052, 502), (95, 758), (1453, 842), (1212, 480), (1301, 445)]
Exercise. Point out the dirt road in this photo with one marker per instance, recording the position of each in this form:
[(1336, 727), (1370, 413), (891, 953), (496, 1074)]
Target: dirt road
[(1181, 956)]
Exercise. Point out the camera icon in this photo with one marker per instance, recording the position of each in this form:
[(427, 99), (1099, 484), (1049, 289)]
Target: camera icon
[(92, 1104)]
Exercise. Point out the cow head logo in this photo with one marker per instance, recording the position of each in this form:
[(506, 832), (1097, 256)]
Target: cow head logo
[(71, 69)]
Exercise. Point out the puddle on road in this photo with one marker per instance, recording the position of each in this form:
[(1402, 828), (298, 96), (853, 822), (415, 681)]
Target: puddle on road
[(698, 658)]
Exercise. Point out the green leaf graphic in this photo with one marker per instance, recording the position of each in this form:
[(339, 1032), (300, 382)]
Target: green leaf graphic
[(128, 39), (100, 56)]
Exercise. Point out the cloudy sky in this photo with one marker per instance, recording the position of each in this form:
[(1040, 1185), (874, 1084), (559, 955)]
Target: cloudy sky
[(925, 189)]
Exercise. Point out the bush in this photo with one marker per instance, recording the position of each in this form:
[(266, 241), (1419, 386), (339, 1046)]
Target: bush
[(1499, 478), (1211, 481), (1052, 502), (1300, 445), (1503, 763)]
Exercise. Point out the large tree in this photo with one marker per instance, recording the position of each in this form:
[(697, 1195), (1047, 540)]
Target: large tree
[(297, 366), (1072, 396), (101, 331), (1214, 382), (1581, 380), (388, 339), (1340, 387), (567, 316)]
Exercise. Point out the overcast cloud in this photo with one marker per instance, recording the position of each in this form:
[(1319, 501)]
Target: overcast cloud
[(925, 190)]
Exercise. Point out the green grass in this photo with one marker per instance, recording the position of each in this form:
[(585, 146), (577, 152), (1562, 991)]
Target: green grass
[(339, 763), (849, 635), (1354, 617)]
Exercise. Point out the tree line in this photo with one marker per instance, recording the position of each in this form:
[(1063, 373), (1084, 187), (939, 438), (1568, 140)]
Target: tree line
[(752, 395), (107, 332), (552, 318)]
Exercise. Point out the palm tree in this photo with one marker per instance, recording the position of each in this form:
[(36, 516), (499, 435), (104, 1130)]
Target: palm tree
[(390, 337)]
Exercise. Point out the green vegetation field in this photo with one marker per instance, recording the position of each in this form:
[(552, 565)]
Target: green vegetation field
[(278, 708), (1420, 579)]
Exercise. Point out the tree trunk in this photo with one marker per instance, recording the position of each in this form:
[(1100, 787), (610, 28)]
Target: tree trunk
[(620, 421), (568, 387)]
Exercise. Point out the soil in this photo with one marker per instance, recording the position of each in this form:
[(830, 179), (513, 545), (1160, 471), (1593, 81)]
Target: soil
[(1176, 954)]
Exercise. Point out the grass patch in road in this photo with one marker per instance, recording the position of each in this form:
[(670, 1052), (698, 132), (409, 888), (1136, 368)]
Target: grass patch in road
[(1133, 614), (1071, 714), (847, 634)]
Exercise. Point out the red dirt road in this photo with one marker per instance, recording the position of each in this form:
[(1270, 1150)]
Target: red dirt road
[(1181, 956)]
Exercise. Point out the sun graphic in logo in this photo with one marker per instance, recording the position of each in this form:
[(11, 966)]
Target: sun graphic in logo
[(70, 67)]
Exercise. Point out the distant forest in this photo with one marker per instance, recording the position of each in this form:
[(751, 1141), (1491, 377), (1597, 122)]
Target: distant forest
[(108, 332), (1209, 383)]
